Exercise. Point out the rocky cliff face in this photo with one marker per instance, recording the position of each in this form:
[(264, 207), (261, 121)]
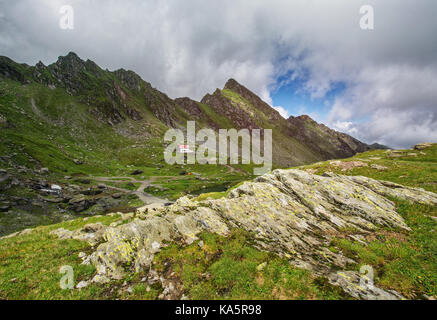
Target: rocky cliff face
[(289, 212), (256, 101), (328, 142), (120, 96)]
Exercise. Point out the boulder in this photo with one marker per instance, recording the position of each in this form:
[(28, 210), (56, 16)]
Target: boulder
[(422, 146), (378, 167), (92, 192), (292, 213), (91, 233), (348, 165), (352, 283), (80, 203)]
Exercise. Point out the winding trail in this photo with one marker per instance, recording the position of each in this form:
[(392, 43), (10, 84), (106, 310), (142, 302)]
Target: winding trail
[(145, 197)]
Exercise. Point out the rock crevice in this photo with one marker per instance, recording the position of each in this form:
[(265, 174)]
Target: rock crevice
[(292, 213)]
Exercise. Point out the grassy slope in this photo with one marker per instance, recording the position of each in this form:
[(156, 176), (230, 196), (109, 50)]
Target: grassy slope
[(283, 145), (58, 129), (406, 262), (226, 268)]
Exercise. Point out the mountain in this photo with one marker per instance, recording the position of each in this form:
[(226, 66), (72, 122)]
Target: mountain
[(83, 183), (327, 142), (377, 146), (134, 109)]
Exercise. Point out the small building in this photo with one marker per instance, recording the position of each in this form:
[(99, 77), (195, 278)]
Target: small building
[(184, 148)]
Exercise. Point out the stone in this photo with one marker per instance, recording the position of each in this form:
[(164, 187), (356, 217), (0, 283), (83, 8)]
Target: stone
[(348, 165), (91, 233), (44, 170), (378, 167), (351, 282), (422, 146), (82, 284), (80, 203), (261, 266), (293, 213), (78, 162), (4, 207), (56, 187), (137, 172), (98, 278), (117, 195), (92, 192), (3, 120)]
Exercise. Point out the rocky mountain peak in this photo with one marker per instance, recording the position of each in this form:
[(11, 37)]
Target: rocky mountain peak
[(71, 57), (233, 84), (40, 65), (70, 64), (129, 78), (303, 118)]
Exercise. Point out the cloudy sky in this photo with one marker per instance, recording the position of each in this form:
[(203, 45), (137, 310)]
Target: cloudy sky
[(301, 56)]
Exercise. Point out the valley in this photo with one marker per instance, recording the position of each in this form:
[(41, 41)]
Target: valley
[(71, 123), (84, 183)]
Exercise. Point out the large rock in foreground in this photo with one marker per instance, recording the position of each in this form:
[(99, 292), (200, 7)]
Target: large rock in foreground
[(290, 212)]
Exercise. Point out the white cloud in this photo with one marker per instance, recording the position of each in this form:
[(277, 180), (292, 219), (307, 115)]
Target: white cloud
[(345, 126), (191, 47), (283, 112)]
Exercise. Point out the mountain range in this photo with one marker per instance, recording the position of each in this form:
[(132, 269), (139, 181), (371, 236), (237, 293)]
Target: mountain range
[(122, 104)]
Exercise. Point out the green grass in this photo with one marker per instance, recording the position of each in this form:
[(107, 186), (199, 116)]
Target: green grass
[(30, 264), (405, 262), (227, 268), (223, 268), (415, 171)]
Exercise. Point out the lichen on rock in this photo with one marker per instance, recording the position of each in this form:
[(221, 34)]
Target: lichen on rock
[(292, 213)]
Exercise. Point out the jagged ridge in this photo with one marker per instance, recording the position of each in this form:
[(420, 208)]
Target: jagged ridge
[(113, 97)]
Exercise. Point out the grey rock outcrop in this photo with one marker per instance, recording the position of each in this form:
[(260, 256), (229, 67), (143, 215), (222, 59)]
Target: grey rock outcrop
[(292, 213)]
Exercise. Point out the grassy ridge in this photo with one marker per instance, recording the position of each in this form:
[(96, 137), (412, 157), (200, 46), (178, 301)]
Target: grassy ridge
[(403, 261)]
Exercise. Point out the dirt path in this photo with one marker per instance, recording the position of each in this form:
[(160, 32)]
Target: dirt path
[(145, 197), (232, 170)]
